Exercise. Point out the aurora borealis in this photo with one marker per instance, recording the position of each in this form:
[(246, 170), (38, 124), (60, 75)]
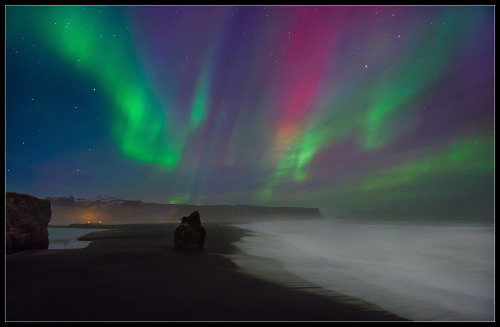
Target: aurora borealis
[(365, 111)]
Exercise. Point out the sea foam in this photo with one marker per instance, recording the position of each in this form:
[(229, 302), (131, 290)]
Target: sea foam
[(419, 272)]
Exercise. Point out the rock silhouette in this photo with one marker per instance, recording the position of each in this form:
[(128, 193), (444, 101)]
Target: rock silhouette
[(190, 234), (27, 219)]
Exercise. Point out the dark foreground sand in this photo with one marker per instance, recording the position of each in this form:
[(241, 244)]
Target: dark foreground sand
[(135, 274)]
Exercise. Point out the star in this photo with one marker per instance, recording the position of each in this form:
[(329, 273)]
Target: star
[(366, 66)]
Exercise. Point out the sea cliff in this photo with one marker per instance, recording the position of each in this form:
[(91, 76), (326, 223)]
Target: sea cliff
[(27, 219)]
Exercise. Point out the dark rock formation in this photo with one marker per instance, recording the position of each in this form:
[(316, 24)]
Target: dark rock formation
[(190, 235), (27, 219)]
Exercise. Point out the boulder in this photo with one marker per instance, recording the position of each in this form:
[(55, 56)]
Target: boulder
[(27, 219), (190, 234)]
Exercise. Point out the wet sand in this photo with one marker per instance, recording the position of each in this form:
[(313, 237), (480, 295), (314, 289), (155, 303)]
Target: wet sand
[(134, 273)]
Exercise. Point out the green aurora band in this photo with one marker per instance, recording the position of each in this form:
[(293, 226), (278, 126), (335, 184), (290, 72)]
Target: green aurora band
[(371, 113), (140, 127), (383, 104)]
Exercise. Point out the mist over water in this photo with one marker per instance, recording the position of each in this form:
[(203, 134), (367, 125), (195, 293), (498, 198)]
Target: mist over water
[(67, 238), (419, 272)]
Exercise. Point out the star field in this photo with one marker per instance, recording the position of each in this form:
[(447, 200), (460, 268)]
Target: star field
[(365, 111)]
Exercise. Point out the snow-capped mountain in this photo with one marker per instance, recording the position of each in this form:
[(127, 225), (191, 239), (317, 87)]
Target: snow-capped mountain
[(99, 198)]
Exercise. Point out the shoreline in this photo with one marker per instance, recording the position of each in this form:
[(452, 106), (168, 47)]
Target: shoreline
[(134, 273), (68, 238)]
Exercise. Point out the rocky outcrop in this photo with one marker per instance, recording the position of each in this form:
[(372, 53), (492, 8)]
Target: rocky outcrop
[(27, 219), (190, 234)]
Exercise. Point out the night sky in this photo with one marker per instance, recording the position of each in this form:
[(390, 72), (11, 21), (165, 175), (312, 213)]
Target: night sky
[(364, 111)]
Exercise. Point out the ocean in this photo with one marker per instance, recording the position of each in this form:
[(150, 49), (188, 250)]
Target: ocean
[(433, 272), (67, 238)]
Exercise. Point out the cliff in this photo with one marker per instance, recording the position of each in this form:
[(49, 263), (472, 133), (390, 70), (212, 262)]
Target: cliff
[(247, 212), (27, 219)]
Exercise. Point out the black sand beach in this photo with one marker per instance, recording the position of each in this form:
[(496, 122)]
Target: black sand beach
[(135, 274)]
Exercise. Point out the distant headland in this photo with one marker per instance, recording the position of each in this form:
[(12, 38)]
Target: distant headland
[(104, 210)]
